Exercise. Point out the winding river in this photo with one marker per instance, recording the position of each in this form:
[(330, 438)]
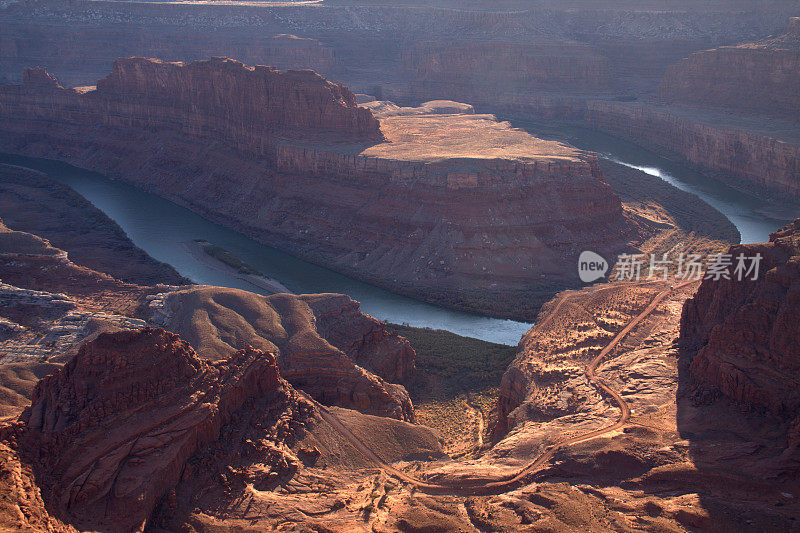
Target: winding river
[(754, 218), (165, 231)]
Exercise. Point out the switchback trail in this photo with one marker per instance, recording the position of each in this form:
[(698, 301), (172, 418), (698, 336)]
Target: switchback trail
[(512, 481)]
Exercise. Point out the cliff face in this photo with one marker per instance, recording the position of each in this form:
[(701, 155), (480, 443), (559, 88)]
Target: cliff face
[(762, 163), (451, 210), (486, 71), (111, 480), (324, 344), (745, 334), (761, 77)]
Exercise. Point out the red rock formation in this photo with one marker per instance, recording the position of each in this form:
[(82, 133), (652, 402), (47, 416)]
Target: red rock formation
[(761, 77), (763, 162), (482, 72), (39, 76), (249, 104), (324, 344), (109, 435), (21, 504), (366, 341), (494, 233), (745, 334), (292, 52)]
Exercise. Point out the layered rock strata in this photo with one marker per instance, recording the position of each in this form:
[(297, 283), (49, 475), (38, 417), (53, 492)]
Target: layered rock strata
[(762, 160), (742, 336), (111, 480), (493, 71), (324, 344), (457, 209), (761, 77)]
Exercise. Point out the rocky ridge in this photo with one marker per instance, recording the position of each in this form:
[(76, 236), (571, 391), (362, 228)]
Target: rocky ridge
[(741, 336), (111, 480), (323, 343), (416, 212), (757, 78)]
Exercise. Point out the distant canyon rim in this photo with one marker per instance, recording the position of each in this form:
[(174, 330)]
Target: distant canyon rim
[(364, 138)]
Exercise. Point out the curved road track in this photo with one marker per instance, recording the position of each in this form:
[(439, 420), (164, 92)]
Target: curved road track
[(522, 476)]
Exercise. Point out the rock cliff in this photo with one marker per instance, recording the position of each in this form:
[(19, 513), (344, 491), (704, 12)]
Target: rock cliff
[(761, 77), (111, 480), (324, 344), (461, 210), (482, 72), (763, 159), (742, 336)]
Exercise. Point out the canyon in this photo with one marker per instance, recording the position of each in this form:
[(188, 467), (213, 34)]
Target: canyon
[(450, 207), (134, 399), (231, 442), (618, 66)]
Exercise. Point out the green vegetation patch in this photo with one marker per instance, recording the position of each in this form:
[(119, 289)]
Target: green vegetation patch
[(449, 364)]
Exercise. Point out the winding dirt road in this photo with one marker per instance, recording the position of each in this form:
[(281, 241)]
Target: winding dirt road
[(512, 481)]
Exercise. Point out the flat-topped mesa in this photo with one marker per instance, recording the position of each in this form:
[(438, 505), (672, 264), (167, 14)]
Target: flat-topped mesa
[(256, 97), (435, 202)]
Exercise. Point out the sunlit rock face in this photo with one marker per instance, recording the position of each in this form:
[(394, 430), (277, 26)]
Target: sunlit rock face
[(452, 207)]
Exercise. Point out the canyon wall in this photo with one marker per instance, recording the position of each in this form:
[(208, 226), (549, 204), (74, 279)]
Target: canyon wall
[(761, 77), (289, 159), (742, 336), (764, 163), (79, 41), (484, 71)]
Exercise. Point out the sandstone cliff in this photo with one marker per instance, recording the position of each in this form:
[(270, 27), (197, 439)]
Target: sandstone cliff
[(461, 210), (742, 336), (761, 77), (111, 480), (483, 72), (324, 344), (760, 159)]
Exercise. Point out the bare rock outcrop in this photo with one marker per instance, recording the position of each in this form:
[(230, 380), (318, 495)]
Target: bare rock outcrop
[(761, 77), (761, 160), (742, 336), (457, 209), (324, 344), (109, 433), (21, 504), (490, 70)]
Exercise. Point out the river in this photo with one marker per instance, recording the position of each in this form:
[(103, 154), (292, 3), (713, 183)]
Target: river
[(754, 218), (165, 230)]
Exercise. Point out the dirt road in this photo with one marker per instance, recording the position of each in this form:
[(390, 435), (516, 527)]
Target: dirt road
[(526, 473)]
